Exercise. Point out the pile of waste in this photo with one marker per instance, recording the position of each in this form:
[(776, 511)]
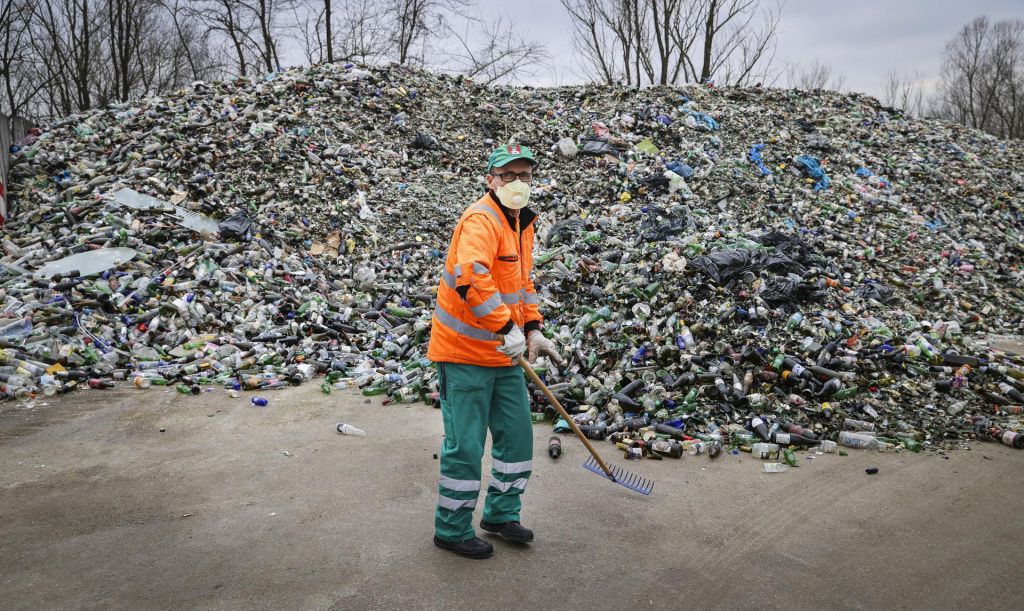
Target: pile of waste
[(716, 262)]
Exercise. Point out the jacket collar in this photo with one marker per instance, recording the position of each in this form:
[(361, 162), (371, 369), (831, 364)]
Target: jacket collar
[(526, 216)]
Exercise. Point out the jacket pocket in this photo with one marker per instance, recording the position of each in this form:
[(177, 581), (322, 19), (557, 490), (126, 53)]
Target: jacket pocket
[(506, 270)]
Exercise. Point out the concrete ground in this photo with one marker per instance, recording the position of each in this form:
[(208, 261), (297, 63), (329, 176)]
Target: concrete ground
[(140, 499)]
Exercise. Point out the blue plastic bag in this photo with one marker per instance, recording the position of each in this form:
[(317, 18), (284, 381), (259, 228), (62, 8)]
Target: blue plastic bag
[(812, 167), (755, 156), (680, 168)]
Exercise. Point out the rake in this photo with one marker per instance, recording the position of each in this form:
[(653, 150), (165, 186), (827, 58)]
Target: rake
[(595, 463)]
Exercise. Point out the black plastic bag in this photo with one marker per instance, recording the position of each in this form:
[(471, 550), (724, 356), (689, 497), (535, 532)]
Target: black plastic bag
[(424, 141), (564, 232), (596, 146), (725, 265), (237, 226), (785, 291), (786, 243), (659, 225), (882, 293)]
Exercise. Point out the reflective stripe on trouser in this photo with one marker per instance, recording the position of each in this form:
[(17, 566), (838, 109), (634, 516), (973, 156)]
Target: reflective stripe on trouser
[(474, 399)]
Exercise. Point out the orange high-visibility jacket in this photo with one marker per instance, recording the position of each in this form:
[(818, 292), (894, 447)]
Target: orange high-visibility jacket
[(490, 260)]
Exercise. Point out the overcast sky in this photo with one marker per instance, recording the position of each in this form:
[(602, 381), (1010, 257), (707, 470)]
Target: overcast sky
[(862, 40)]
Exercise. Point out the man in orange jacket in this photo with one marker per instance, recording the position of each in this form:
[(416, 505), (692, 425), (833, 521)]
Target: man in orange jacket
[(487, 316)]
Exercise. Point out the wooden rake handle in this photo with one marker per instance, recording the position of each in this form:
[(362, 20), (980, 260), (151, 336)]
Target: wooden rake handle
[(561, 410)]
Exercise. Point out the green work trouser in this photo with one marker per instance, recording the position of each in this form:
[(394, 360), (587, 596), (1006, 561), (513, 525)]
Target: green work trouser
[(474, 398)]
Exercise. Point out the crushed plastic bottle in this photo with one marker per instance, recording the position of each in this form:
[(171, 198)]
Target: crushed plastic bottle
[(348, 429)]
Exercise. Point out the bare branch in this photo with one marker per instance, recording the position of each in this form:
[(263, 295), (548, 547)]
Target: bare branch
[(413, 22), (815, 75), (904, 91), (649, 42), (504, 54), (591, 40), (983, 77)]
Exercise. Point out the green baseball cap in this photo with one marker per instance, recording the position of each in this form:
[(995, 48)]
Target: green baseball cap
[(506, 154)]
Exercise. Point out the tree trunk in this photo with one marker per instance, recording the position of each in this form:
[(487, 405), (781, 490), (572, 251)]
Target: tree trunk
[(330, 34), (82, 68), (236, 41), (268, 41), (709, 38)]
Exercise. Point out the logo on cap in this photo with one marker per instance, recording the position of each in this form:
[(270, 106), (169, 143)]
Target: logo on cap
[(513, 149)]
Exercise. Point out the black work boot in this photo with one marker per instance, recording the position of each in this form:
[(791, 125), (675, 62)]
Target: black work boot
[(474, 548), (509, 531)]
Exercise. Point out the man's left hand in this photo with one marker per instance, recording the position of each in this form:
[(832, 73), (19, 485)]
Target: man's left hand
[(538, 344)]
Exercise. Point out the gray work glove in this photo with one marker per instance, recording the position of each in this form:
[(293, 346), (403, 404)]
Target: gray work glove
[(541, 345), (513, 344)]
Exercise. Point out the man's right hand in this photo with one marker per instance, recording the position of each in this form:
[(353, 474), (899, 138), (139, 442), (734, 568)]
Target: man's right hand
[(513, 343), (541, 345)]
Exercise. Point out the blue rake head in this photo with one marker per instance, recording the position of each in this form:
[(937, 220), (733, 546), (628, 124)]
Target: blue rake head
[(621, 477)]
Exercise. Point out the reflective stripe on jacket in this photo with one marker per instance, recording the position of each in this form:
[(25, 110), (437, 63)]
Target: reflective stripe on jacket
[(493, 260)]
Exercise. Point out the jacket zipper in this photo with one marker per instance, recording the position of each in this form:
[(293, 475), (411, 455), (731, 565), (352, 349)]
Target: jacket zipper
[(522, 281), (519, 243)]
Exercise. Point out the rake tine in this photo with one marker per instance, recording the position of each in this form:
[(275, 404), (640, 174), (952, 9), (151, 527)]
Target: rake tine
[(622, 477), (595, 463)]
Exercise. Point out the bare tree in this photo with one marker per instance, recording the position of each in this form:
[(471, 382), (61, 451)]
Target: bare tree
[(193, 41), (266, 15), (131, 25), (683, 26), (658, 41), (64, 38), (329, 29), (412, 22), (357, 33), (904, 91), (313, 30), (983, 77), (635, 41), (250, 28), (19, 69), (838, 82), (503, 53), (362, 32), (77, 54), (739, 39), (171, 53), (815, 75), (230, 20), (592, 40)]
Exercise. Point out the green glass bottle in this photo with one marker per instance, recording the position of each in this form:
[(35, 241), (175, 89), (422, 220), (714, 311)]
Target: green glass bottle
[(911, 444), (846, 393), (742, 439), (400, 312), (420, 363), (777, 363)]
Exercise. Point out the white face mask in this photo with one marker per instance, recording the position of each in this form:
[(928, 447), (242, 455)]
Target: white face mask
[(514, 195)]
